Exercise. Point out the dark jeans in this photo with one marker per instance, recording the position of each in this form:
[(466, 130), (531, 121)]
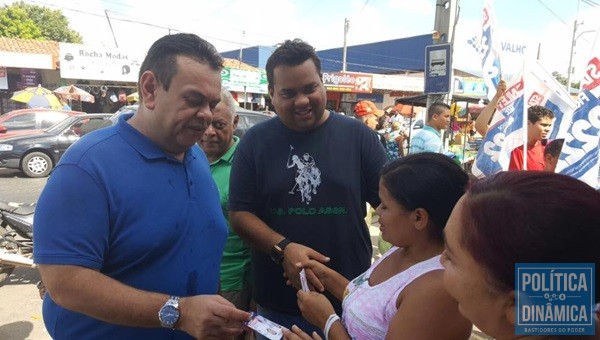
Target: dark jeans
[(287, 321)]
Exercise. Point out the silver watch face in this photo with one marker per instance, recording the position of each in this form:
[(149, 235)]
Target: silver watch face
[(168, 316)]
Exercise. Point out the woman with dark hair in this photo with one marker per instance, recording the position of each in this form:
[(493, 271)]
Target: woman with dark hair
[(509, 218), (401, 296)]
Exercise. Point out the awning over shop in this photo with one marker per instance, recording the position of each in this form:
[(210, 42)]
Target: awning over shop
[(421, 100)]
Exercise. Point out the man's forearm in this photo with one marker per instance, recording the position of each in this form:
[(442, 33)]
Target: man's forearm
[(253, 230), (483, 120), (94, 294)]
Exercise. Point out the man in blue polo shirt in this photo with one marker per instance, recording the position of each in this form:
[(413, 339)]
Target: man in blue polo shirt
[(429, 139), (129, 230)]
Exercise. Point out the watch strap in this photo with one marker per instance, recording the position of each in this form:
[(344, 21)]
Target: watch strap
[(277, 250)]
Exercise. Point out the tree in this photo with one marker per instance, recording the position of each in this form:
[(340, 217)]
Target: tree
[(21, 20), (563, 80)]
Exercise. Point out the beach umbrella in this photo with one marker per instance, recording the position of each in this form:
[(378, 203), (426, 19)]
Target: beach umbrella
[(37, 97), (134, 97), (72, 92)]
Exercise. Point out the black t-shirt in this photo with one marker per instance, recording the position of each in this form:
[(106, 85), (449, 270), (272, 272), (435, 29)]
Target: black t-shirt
[(312, 188)]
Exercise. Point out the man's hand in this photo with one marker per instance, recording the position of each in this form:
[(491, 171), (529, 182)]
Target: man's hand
[(500, 89), (210, 317), (323, 276), (296, 253), (315, 307)]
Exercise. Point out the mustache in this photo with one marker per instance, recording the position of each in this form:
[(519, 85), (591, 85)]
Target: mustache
[(199, 125)]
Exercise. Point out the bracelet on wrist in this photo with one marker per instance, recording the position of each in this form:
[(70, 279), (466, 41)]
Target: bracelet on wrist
[(330, 321)]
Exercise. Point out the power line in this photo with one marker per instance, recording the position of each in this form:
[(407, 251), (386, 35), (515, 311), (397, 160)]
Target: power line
[(363, 7), (551, 11), (129, 20), (381, 67), (591, 3)]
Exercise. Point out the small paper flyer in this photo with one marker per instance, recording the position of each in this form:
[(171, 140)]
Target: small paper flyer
[(265, 327), (303, 280)]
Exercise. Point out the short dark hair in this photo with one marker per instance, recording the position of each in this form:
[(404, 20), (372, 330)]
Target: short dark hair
[(530, 217), (436, 109), (161, 57), (537, 112), (554, 147), (291, 53), (426, 180)]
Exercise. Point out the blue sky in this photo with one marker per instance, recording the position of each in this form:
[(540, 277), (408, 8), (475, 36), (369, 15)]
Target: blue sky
[(230, 24)]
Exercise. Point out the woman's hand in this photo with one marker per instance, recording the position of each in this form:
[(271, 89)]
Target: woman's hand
[(296, 253), (297, 334), (315, 307)]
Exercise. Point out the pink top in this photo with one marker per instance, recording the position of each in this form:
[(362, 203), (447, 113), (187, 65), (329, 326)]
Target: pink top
[(368, 310)]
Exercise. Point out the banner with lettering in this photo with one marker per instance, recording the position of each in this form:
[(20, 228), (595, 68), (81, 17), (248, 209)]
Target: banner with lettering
[(580, 153), (503, 135), (348, 82), (508, 131), (490, 60), (99, 63)]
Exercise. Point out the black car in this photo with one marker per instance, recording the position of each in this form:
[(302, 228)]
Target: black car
[(248, 118), (37, 152)]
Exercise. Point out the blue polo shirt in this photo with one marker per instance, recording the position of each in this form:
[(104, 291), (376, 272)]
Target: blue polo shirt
[(426, 140), (118, 204)]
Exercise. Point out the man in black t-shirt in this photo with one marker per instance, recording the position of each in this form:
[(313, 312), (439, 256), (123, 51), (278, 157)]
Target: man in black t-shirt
[(299, 186)]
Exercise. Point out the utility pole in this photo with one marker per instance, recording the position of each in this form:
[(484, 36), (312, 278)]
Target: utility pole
[(573, 42), (571, 69), (443, 32), (241, 48), (346, 27)]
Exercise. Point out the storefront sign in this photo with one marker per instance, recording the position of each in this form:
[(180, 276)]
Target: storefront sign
[(3, 78), (470, 86), (29, 77), (237, 80), (99, 63), (349, 97), (29, 60), (348, 82)]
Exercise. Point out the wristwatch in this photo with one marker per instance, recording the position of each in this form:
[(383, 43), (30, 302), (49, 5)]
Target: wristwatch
[(169, 313), (277, 250)]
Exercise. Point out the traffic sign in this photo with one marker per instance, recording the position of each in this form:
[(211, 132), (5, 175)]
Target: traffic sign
[(438, 67)]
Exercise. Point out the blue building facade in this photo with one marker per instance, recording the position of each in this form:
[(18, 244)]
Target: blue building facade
[(383, 57), (255, 56)]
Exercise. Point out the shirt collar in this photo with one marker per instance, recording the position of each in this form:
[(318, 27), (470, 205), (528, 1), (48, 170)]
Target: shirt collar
[(228, 156), (429, 128), (142, 144)]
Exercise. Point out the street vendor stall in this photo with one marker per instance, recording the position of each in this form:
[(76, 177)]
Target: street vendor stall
[(464, 110)]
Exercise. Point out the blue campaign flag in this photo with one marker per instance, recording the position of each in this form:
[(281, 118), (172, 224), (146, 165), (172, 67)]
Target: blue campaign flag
[(508, 130), (490, 59), (504, 135), (579, 156)]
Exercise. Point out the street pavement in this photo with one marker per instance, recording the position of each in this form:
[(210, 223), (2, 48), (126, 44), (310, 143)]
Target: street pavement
[(21, 307)]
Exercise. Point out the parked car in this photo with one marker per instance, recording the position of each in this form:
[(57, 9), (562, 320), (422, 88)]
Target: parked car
[(33, 119), (37, 152), (248, 118)]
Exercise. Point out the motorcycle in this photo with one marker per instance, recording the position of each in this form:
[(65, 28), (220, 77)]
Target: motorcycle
[(16, 237)]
